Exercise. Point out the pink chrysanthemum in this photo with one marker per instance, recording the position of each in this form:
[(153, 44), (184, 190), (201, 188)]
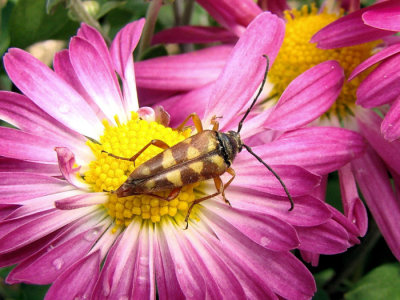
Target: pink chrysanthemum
[(60, 227), (379, 88)]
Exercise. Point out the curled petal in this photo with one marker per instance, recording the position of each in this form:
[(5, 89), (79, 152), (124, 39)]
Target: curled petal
[(353, 207), (307, 97), (375, 186), (391, 126), (66, 161)]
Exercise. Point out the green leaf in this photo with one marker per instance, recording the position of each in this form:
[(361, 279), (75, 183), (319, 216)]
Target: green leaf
[(381, 283), (30, 23), (108, 6), (52, 4)]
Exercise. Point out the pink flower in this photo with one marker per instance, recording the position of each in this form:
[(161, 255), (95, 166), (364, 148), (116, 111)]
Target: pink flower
[(380, 87), (59, 226)]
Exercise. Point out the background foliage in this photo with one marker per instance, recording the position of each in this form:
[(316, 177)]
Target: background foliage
[(366, 271)]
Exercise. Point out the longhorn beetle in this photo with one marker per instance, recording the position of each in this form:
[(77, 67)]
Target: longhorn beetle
[(205, 155)]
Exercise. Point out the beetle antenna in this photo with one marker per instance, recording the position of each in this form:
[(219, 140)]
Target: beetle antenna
[(273, 172), (258, 94)]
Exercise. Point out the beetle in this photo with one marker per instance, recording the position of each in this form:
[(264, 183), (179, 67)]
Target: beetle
[(205, 155)]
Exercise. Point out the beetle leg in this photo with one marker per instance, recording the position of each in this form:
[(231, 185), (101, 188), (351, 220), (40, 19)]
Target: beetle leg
[(157, 143), (215, 123), (219, 185), (196, 202), (196, 120)]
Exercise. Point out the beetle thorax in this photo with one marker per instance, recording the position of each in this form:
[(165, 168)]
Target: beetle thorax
[(231, 145)]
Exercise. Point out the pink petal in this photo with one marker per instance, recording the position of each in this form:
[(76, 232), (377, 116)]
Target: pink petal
[(378, 57), (167, 282), (77, 281), (377, 190), (24, 114), (83, 200), (121, 51), (381, 85), (308, 211), (193, 34), (267, 231), (190, 279), (386, 17), (320, 150), (307, 97), (63, 67), (94, 37), (37, 228), (46, 268), (96, 77), (327, 238), (16, 165), (391, 126), (349, 30), (220, 280), (25, 146), (184, 71), (252, 174), (234, 14), (245, 67), (124, 44), (128, 269), (16, 187), (369, 123), (51, 93), (353, 207), (270, 268), (66, 161), (275, 6)]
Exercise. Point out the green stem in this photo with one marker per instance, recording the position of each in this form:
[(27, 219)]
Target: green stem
[(148, 30), (79, 10)]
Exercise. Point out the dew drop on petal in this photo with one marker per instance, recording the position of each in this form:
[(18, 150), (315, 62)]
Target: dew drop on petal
[(264, 241), (124, 297), (91, 235), (58, 263), (49, 248), (143, 261)]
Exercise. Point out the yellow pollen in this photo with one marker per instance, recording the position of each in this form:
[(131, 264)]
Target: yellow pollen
[(107, 173), (297, 55)]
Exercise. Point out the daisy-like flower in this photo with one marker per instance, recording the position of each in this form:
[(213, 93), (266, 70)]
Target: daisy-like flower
[(324, 97), (60, 227), (377, 89)]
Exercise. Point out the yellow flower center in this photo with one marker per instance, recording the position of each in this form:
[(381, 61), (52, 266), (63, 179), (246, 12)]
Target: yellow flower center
[(297, 55), (107, 173)]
